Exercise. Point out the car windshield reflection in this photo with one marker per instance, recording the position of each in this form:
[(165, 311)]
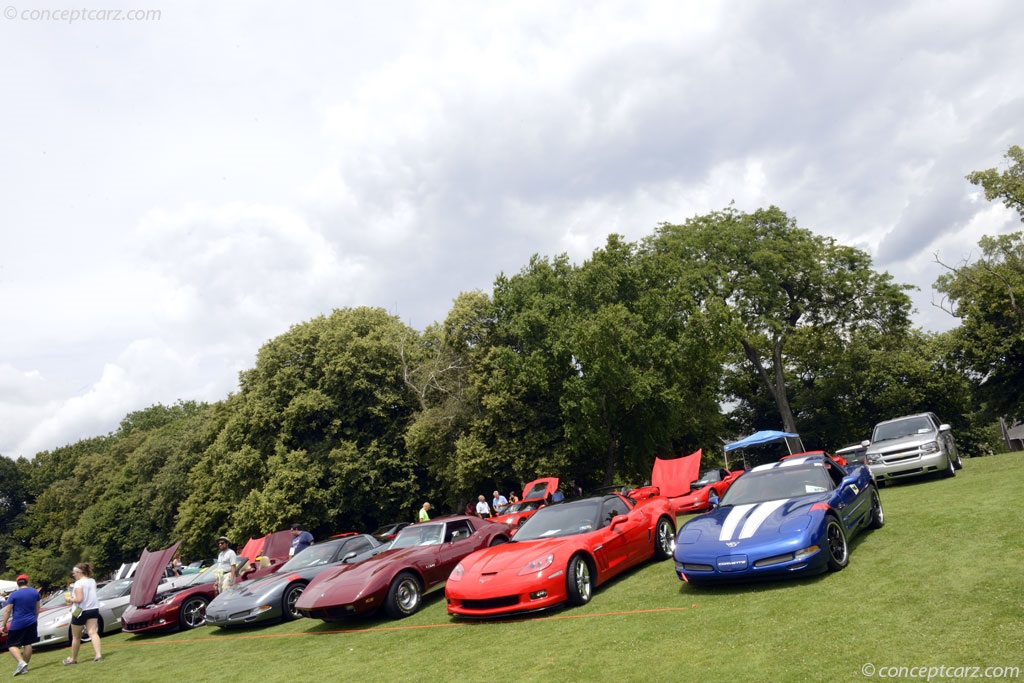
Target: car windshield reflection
[(420, 534), (561, 520), (777, 483)]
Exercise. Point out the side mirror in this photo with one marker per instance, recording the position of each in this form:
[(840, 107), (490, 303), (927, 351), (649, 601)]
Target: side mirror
[(619, 519), (945, 428), (349, 556), (865, 443)]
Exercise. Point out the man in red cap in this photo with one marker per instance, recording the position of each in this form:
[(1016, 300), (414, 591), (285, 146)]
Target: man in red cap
[(23, 612)]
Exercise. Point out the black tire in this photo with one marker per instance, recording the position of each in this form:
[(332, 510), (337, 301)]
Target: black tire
[(958, 463), (498, 540), (579, 581), (835, 545), (193, 613), (950, 470), (877, 513), (664, 539), (405, 596), (288, 600)]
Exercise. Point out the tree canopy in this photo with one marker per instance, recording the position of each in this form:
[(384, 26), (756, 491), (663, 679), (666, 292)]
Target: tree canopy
[(727, 323)]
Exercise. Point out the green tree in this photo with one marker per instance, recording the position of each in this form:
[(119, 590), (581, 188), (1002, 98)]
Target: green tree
[(767, 279), (325, 407), (987, 295), (645, 380)]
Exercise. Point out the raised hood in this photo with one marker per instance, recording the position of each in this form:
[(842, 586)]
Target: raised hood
[(148, 574), (276, 544), (540, 488)]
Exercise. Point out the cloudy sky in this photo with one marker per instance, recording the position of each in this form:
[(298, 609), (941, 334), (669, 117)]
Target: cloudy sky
[(183, 184)]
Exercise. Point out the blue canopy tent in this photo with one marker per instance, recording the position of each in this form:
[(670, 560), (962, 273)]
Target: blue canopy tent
[(764, 437)]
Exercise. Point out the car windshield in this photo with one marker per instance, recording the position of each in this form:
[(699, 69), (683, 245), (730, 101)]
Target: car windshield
[(707, 477), (419, 534), (114, 589), (522, 506), (902, 428), (775, 483), (313, 556), (55, 600), (566, 519)]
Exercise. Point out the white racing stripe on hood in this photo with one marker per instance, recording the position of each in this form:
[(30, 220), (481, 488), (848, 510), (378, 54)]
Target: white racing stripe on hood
[(758, 516), (733, 520)]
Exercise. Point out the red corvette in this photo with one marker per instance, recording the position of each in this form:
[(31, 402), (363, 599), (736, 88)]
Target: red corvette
[(561, 554), (718, 480), (536, 495), (419, 559), (178, 604)]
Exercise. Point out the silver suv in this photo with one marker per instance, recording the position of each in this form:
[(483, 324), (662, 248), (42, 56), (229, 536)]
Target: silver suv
[(912, 445)]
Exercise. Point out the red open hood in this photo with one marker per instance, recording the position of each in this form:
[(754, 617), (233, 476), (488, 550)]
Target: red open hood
[(276, 544), (253, 547), (673, 477), (148, 574), (540, 488)]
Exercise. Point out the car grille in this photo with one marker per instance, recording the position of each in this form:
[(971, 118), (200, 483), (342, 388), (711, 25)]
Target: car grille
[(492, 603), (900, 457), (136, 626)]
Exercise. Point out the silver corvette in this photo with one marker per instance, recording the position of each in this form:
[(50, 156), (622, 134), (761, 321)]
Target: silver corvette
[(272, 598)]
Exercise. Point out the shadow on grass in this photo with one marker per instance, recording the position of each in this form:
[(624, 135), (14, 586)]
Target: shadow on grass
[(378, 619)]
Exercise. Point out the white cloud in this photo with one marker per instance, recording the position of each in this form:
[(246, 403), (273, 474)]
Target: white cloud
[(179, 193)]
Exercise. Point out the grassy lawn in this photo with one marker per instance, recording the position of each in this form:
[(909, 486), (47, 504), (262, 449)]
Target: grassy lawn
[(941, 585)]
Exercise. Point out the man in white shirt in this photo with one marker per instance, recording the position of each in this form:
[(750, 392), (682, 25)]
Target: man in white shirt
[(227, 565), (482, 509)]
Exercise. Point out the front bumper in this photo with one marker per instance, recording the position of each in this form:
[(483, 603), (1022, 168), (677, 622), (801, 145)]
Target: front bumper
[(145, 619), (908, 464), (471, 598)]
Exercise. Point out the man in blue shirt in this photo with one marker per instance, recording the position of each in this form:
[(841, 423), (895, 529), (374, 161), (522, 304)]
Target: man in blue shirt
[(22, 610), (499, 503), (300, 539)]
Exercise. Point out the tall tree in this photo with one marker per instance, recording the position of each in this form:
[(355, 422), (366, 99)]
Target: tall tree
[(771, 279), (987, 295)]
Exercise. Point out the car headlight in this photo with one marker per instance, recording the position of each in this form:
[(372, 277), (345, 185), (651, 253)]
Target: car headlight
[(540, 564), (873, 459), (930, 447), (457, 573)]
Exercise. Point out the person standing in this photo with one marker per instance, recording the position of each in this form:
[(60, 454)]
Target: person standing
[(300, 540), (482, 509), (85, 612), (424, 515), (22, 609), (499, 503), (226, 566), (176, 564)]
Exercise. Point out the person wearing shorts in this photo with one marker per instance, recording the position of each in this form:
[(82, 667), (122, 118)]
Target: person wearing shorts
[(85, 612), (22, 610)]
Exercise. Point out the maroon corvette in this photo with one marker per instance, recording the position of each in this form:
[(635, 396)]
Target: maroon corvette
[(417, 561)]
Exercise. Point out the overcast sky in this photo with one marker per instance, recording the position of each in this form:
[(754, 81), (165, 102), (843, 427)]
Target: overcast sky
[(180, 188)]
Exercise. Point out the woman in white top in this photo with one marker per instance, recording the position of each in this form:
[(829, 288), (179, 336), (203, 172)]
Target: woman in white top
[(85, 612)]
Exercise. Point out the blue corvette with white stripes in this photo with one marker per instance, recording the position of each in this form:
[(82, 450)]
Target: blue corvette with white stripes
[(790, 517)]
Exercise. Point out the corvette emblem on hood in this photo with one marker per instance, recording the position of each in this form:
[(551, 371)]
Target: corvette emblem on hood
[(733, 544)]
